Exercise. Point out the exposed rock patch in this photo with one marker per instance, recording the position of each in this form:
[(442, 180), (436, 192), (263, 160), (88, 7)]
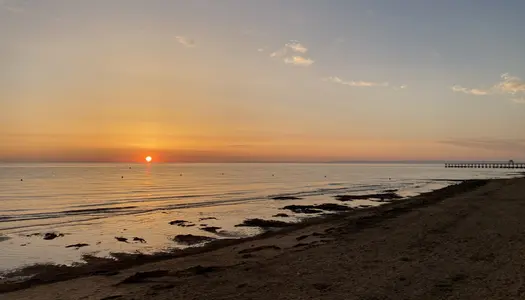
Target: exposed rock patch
[(182, 223), (52, 235), (286, 198), (263, 223), (281, 215), (382, 197), (212, 229), (312, 209), (77, 246)]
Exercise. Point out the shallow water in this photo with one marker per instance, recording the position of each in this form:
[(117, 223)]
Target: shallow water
[(94, 203)]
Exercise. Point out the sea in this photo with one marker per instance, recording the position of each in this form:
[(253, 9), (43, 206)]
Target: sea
[(94, 204)]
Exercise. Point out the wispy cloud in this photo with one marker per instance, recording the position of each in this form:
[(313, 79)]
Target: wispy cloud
[(187, 42), (361, 83), (477, 92), (298, 61), (289, 54), (297, 47), (509, 85)]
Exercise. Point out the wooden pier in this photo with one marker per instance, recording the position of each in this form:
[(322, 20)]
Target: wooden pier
[(486, 165)]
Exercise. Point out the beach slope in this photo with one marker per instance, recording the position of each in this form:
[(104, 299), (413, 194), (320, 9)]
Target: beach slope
[(466, 241)]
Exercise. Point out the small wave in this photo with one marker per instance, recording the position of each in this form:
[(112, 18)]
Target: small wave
[(331, 191), (138, 199), (59, 214), (95, 210)]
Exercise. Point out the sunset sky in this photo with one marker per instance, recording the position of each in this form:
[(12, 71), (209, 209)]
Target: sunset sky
[(267, 80)]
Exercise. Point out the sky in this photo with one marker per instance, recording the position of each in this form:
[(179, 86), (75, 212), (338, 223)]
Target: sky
[(275, 81)]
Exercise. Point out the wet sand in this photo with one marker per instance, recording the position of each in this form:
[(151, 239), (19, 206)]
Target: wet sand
[(465, 241)]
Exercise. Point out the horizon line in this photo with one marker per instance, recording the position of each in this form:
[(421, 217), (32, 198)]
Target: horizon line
[(265, 162)]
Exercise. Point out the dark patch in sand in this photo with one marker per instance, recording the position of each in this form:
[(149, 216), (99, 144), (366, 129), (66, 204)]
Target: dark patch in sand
[(212, 229), (312, 209), (303, 209), (77, 246), (382, 196), (177, 222), (260, 248), (52, 235), (4, 238), (140, 240), (263, 223), (333, 207), (286, 198), (207, 218), (281, 215), (190, 239), (182, 223), (121, 239)]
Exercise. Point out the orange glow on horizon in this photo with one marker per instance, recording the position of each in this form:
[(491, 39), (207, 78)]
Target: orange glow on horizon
[(149, 159)]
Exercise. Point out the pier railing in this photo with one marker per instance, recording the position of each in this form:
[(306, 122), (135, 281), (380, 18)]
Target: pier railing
[(485, 165)]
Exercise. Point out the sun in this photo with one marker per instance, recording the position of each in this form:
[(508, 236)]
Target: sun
[(149, 159)]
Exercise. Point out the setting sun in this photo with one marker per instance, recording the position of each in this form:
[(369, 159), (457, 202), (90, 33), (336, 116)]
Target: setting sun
[(148, 158)]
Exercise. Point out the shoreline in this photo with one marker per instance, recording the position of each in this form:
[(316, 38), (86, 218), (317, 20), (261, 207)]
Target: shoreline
[(362, 218)]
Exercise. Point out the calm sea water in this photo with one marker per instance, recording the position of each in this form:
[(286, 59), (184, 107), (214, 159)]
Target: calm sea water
[(94, 203)]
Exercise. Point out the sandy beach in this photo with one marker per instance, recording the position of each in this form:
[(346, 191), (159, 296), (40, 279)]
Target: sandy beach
[(462, 242)]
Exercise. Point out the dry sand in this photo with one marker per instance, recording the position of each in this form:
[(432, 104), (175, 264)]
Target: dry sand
[(463, 242)]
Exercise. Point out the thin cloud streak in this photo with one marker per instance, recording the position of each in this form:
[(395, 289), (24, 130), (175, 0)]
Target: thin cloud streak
[(477, 92), (298, 61), (361, 83)]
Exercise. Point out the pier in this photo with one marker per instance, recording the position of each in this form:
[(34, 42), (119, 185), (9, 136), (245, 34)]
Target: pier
[(486, 165)]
